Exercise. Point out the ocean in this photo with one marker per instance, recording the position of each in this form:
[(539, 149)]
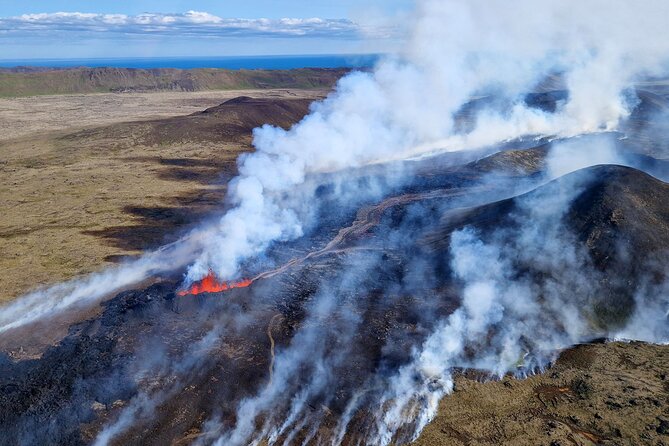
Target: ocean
[(232, 62)]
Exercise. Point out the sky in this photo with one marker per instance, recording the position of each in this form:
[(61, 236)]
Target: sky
[(53, 29)]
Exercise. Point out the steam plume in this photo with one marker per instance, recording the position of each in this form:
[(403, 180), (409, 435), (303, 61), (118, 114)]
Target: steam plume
[(458, 50)]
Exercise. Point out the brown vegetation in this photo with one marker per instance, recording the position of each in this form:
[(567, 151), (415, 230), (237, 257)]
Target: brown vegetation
[(75, 199)]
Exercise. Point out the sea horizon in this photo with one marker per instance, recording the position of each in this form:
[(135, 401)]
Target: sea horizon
[(269, 62)]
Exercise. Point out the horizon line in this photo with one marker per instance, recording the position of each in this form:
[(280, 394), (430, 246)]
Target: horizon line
[(241, 56)]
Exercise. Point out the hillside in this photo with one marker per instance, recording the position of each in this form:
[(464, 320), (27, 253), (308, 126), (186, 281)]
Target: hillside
[(596, 394), (232, 120)]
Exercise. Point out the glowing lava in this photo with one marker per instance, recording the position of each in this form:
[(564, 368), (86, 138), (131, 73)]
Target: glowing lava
[(211, 285)]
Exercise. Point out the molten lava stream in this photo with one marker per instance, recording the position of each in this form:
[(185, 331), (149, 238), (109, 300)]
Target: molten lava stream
[(211, 285)]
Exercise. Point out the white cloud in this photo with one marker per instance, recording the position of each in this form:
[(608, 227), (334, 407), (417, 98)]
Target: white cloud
[(191, 23)]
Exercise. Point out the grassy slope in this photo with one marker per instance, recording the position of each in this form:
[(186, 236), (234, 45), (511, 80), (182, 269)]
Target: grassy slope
[(104, 80), (602, 394)]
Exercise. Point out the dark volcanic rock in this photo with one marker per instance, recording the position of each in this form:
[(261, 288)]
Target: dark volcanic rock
[(618, 215)]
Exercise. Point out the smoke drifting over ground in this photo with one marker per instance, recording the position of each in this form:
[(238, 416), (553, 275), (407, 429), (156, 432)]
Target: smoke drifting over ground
[(528, 291), (422, 267), (408, 106)]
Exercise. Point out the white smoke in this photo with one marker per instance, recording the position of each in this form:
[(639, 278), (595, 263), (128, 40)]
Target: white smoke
[(173, 372), (650, 321), (580, 152), (52, 300), (304, 370), (503, 317), (458, 50)]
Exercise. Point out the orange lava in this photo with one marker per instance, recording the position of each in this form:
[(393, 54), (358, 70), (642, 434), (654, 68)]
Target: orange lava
[(211, 285)]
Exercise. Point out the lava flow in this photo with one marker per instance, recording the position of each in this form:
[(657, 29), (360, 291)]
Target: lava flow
[(211, 285)]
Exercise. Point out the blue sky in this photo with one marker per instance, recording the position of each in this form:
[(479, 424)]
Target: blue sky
[(144, 28)]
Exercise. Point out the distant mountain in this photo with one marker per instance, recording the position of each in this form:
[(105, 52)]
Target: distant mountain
[(26, 81)]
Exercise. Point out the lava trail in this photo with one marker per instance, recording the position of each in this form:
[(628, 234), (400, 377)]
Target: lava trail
[(367, 218)]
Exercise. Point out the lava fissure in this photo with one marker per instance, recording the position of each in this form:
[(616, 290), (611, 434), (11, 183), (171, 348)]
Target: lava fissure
[(210, 284)]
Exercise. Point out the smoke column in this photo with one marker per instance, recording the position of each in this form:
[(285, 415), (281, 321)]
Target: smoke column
[(457, 50)]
